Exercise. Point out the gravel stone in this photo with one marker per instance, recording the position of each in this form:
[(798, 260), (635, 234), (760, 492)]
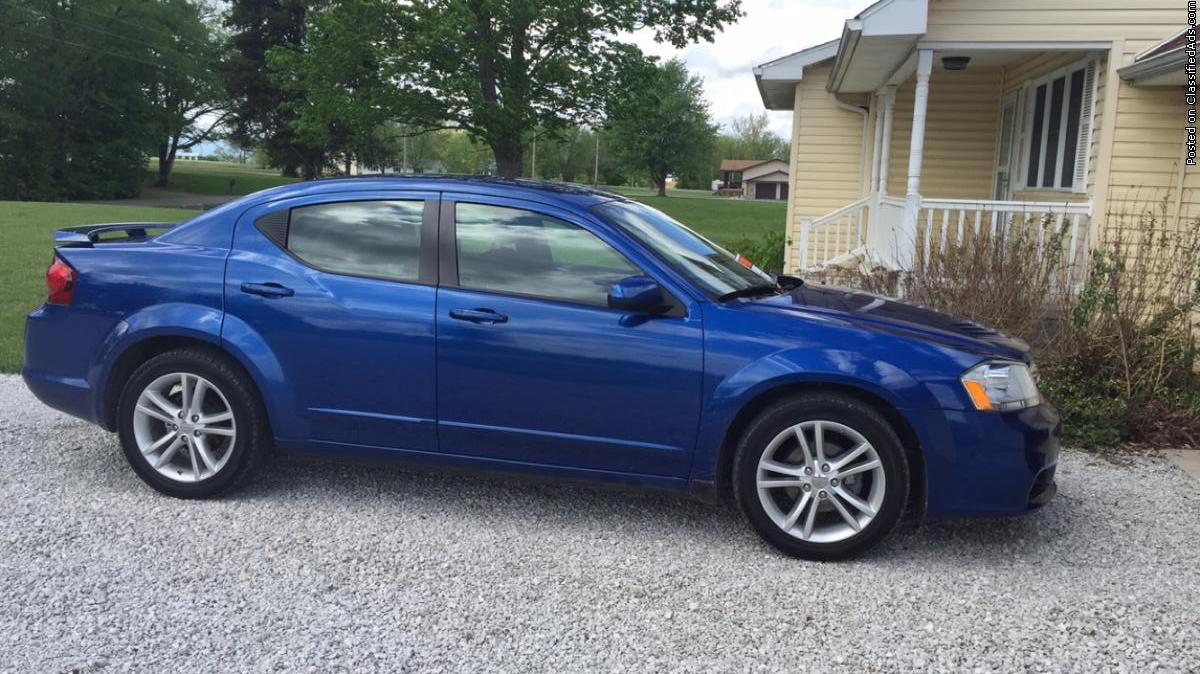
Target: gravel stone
[(323, 567)]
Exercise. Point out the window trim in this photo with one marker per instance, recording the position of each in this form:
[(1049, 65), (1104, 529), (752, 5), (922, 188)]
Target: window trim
[(1029, 87), (426, 251), (448, 255)]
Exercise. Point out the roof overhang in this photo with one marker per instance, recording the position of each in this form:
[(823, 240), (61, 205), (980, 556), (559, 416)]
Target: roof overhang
[(876, 43), (1168, 64), (777, 79)]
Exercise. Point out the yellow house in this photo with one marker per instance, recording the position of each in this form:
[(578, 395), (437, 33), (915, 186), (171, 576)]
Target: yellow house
[(931, 118)]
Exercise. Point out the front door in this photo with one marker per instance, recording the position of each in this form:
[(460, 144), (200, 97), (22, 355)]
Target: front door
[(343, 298), (1007, 143), (532, 364)]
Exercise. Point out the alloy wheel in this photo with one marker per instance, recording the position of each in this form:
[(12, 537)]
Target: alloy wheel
[(820, 481), (184, 427)]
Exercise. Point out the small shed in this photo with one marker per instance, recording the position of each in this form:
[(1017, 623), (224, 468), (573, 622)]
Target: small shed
[(766, 180), (755, 178), (731, 171)]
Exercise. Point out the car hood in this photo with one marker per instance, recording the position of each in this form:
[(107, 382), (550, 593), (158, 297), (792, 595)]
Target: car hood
[(899, 317)]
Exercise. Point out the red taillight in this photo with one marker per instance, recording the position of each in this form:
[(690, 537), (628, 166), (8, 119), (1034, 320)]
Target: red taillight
[(60, 279)]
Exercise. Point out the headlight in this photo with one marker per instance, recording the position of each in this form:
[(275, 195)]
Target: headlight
[(1001, 386)]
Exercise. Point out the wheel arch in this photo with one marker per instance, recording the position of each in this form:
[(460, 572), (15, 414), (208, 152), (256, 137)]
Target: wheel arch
[(142, 350), (909, 438)]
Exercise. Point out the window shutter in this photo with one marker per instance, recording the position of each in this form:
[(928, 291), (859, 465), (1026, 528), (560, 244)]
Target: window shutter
[(1083, 147)]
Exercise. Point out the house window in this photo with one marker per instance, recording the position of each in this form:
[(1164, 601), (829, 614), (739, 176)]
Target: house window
[(1060, 129)]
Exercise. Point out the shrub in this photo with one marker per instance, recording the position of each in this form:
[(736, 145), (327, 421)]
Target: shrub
[(1132, 326), (1116, 352), (766, 253)]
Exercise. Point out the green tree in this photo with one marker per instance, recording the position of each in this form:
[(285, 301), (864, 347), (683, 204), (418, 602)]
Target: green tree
[(748, 137), (664, 126), (497, 69), (462, 153), (188, 95), (75, 120), (263, 112), (753, 139), (566, 156)]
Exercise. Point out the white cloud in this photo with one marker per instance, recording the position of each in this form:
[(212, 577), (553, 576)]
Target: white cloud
[(769, 29)]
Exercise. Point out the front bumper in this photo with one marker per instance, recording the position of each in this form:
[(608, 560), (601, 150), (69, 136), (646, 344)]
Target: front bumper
[(980, 463)]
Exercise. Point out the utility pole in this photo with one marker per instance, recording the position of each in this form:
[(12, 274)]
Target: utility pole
[(404, 144)]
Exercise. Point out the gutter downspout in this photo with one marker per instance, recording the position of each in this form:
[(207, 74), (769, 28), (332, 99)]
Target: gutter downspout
[(862, 155)]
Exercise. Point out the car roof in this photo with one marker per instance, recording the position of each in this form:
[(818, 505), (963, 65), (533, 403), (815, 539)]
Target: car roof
[(536, 190)]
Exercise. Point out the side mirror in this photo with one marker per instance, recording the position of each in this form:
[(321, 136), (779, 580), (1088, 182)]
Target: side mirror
[(637, 293)]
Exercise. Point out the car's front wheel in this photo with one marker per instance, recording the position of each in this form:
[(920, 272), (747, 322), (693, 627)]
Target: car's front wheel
[(191, 424), (821, 476)]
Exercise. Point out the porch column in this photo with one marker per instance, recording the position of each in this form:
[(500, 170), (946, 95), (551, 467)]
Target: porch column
[(876, 153), (906, 238), (889, 111)]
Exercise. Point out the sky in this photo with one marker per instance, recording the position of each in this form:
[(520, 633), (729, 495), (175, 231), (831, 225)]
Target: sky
[(769, 29)]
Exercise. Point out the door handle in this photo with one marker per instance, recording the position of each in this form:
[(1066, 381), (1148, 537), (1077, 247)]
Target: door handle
[(478, 316), (269, 289)]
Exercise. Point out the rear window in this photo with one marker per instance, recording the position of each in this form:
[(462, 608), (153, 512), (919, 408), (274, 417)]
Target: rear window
[(359, 238)]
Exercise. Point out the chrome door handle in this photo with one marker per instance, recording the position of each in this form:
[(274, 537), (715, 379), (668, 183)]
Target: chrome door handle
[(486, 316), (269, 289)]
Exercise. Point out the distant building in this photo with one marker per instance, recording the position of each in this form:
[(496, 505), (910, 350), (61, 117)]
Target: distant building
[(755, 179)]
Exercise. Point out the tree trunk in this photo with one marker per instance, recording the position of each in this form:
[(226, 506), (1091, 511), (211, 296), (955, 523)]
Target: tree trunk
[(509, 156), (166, 162), (289, 170), (311, 170), (658, 180)]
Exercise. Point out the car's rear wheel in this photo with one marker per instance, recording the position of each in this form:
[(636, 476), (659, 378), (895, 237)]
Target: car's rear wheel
[(821, 476), (191, 424)]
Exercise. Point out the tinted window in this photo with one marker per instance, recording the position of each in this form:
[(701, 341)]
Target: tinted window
[(517, 251), (362, 238), (703, 262)]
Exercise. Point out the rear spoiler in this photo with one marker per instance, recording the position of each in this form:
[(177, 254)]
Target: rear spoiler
[(88, 235)]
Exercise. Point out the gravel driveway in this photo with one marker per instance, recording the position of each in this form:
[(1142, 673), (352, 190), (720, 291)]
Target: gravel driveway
[(327, 567)]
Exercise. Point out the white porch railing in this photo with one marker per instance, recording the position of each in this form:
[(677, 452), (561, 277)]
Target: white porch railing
[(944, 222), (870, 229), (833, 236)]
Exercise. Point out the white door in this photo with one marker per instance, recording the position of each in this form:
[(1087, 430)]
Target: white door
[(1007, 144)]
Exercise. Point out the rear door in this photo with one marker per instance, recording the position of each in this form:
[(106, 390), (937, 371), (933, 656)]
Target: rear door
[(341, 288), (532, 364)]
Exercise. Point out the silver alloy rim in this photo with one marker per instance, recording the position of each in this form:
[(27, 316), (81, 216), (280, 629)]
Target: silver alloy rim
[(184, 427), (820, 481)]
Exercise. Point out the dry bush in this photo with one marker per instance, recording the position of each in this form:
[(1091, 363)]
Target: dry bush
[(1133, 324), (1014, 280), (1114, 341)]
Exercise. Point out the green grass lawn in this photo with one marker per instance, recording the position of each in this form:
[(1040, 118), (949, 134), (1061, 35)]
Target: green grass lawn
[(26, 242), (213, 177), (637, 192), (726, 221)]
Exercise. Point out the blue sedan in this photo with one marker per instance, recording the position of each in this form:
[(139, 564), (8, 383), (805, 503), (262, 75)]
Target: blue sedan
[(536, 328)]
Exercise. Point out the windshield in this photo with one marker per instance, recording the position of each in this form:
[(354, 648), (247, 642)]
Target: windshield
[(717, 271)]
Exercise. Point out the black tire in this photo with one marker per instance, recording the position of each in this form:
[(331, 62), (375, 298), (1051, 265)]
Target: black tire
[(841, 409), (250, 447)]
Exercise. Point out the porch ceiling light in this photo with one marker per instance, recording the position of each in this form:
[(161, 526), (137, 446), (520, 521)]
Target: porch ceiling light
[(955, 62)]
